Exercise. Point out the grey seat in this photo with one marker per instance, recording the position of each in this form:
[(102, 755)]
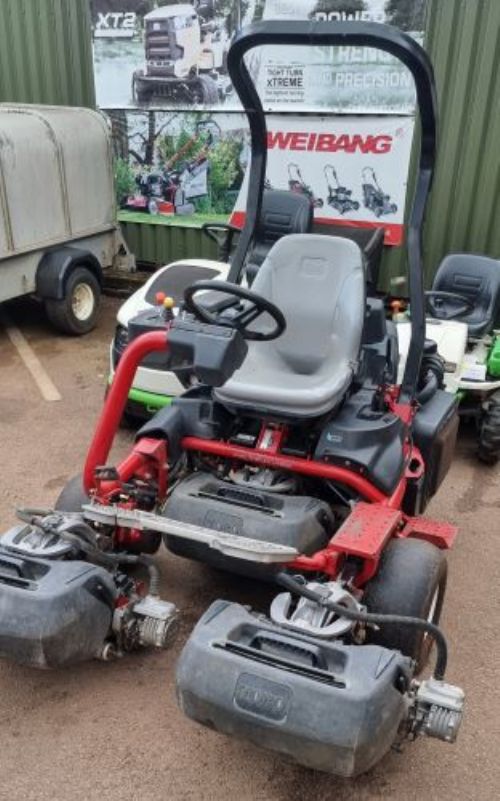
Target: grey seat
[(318, 283)]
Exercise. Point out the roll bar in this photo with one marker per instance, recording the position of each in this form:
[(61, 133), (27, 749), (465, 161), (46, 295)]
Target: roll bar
[(359, 34)]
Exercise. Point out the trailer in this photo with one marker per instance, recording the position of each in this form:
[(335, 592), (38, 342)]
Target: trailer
[(58, 226)]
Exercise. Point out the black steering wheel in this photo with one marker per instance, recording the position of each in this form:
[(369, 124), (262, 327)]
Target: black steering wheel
[(239, 316), (437, 303)]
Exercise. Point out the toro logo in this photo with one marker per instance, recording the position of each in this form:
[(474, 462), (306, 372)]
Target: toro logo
[(329, 143)]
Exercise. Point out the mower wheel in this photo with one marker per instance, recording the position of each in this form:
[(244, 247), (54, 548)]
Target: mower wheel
[(204, 91), (411, 581), (76, 313), (489, 432), (73, 496)]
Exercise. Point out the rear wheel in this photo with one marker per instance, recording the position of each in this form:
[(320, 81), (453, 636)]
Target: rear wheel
[(411, 581), (76, 313), (204, 91), (489, 431)]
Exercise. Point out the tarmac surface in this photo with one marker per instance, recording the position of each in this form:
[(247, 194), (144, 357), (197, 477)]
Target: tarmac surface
[(112, 731)]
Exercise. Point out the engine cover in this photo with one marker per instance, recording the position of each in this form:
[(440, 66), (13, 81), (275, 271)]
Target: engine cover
[(299, 521), (329, 706), (52, 612)]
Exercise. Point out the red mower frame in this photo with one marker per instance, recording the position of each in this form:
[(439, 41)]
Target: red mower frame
[(365, 532)]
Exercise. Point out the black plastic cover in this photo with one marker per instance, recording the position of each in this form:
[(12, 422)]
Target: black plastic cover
[(434, 431), (212, 353), (194, 414), (303, 522), (53, 613), (325, 705), (370, 441)]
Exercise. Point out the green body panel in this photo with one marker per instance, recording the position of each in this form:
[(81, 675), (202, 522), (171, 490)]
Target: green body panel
[(494, 359), (150, 400)]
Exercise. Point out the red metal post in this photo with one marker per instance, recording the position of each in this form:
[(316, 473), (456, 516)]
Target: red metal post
[(114, 404)]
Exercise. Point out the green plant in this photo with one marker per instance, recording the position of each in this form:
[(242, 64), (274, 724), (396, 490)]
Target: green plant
[(124, 180)]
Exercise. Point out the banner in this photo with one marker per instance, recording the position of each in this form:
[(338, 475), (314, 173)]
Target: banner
[(353, 169), (179, 163), (165, 54)]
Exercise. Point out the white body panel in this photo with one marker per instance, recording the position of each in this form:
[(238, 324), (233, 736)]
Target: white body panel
[(465, 365), (157, 381)]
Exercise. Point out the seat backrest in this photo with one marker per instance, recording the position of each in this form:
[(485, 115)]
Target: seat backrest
[(318, 283), (282, 213), (478, 278)]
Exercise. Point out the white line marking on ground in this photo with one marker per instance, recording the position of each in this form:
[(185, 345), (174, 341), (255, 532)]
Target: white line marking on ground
[(31, 361)]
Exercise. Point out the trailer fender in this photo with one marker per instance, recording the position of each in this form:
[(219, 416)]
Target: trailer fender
[(55, 267)]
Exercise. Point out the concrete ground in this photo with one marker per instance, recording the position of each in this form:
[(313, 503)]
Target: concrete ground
[(113, 731)]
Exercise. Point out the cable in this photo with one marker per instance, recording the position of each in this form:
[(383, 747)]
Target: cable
[(293, 586)]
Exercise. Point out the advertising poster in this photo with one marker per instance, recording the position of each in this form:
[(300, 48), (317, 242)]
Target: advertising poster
[(354, 169), (164, 54), (340, 119), (179, 163)]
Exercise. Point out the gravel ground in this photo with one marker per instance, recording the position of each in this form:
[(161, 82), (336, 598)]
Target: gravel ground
[(113, 731)]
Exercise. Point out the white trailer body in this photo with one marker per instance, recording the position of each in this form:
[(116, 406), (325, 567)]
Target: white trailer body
[(57, 200)]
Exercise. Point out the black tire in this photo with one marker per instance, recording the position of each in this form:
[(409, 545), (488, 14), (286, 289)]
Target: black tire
[(204, 91), (411, 581), (489, 431), (73, 496), (140, 92), (82, 287)]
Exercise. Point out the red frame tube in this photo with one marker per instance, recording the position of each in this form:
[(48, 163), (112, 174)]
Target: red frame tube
[(114, 404), (306, 467)]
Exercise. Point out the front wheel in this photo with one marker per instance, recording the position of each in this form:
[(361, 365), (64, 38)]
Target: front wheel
[(411, 581), (488, 450), (76, 312), (204, 91)]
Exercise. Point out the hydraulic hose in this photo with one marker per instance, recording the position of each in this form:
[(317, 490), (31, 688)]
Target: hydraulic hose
[(83, 537), (429, 389), (296, 587)]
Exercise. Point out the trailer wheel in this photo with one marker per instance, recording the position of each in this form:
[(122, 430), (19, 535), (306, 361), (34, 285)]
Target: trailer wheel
[(204, 91), (489, 432), (411, 581), (76, 313), (72, 496)]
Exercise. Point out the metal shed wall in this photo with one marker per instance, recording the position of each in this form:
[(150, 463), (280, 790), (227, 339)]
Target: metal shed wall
[(463, 40), (46, 52)]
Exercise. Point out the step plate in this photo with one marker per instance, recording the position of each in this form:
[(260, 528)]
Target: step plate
[(228, 544), (366, 530)]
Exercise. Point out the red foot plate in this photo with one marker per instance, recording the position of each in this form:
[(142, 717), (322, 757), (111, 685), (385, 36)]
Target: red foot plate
[(442, 535), (366, 530)]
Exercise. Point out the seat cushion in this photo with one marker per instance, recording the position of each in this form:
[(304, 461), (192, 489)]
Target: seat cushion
[(318, 283), (475, 277)]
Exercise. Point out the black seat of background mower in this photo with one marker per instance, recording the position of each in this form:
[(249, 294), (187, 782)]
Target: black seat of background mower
[(478, 278), (282, 213)]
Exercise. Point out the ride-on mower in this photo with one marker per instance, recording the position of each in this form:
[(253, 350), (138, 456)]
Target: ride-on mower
[(463, 320), (297, 459)]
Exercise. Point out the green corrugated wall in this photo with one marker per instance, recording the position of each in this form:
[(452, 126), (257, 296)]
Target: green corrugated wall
[(463, 40), (46, 57), (46, 52)]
